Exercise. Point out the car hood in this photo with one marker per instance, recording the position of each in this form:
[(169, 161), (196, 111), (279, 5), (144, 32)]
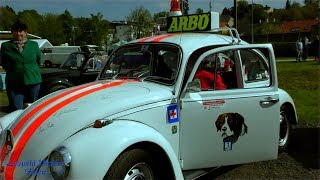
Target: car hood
[(54, 118)]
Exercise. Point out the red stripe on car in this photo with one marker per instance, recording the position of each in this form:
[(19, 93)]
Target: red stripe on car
[(22, 122), (161, 37), (21, 143), (144, 39), (43, 104)]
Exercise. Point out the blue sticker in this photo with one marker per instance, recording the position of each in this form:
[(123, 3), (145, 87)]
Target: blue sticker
[(172, 113)]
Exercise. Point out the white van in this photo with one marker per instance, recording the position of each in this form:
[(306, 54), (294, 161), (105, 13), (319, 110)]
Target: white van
[(56, 55)]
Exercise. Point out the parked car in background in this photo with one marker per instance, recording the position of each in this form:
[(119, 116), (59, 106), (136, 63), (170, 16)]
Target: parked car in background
[(78, 68), (55, 55)]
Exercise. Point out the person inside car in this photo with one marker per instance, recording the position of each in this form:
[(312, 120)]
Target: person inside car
[(207, 78), (162, 68)]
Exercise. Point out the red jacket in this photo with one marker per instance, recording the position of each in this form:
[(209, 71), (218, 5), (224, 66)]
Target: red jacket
[(206, 80)]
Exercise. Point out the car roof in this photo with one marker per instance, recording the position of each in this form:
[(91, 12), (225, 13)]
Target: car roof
[(190, 41)]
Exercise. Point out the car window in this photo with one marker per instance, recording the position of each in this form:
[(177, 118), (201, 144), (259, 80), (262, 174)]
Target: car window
[(73, 61), (158, 63), (94, 64), (217, 72), (255, 68)]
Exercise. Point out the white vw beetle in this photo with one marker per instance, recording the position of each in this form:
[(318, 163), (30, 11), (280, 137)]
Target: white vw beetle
[(163, 107)]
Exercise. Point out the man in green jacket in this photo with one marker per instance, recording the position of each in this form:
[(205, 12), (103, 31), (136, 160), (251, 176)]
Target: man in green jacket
[(21, 59)]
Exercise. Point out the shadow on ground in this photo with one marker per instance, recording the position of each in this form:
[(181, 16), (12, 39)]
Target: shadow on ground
[(304, 147)]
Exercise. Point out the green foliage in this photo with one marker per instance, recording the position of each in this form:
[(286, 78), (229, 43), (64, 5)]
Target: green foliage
[(32, 19), (7, 18), (184, 7), (98, 27), (52, 29), (160, 14), (141, 18), (68, 24), (3, 98), (199, 11)]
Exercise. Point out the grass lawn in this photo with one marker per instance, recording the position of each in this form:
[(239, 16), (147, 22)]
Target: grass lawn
[(300, 80), (3, 99)]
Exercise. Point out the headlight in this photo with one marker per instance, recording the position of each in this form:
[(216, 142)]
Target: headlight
[(60, 160)]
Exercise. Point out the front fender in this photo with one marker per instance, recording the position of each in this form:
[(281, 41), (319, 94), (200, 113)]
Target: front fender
[(6, 120), (93, 150), (285, 99)]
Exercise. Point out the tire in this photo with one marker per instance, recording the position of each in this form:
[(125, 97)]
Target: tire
[(133, 164), (285, 130), (57, 88), (47, 64)]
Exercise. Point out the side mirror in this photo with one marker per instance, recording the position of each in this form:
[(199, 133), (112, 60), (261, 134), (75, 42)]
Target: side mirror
[(194, 86)]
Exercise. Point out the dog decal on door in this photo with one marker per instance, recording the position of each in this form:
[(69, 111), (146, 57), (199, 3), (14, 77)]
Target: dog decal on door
[(232, 126)]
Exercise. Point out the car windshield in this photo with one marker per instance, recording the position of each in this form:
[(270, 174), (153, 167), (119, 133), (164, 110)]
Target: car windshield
[(73, 61), (146, 62)]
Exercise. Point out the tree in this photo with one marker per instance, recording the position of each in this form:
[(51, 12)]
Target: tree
[(184, 5), (141, 18), (99, 28), (7, 18), (288, 4), (32, 19), (310, 10), (199, 11), (310, 2), (160, 14), (243, 8), (51, 29), (226, 11), (68, 25)]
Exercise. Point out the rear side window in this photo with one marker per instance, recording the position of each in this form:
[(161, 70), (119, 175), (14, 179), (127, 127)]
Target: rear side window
[(255, 68)]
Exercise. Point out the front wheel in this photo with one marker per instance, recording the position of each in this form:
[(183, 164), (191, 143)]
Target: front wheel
[(285, 129), (133, 164)]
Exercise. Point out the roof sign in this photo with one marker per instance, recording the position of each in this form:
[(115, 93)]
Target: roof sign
[(194, 22)]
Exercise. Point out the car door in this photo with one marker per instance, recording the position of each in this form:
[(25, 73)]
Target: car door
[(234, 125), (90, 70)]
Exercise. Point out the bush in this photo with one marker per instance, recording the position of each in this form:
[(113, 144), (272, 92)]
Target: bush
[(284, 49)]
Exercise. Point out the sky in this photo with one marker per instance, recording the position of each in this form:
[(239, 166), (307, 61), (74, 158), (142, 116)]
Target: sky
[(116, 10)]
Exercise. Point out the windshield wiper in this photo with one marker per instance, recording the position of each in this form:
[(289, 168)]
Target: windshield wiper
[(127, 72)]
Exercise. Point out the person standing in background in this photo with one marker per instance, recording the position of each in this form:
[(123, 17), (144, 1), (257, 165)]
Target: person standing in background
[(316, 48), (299, 48), (305, 50), (21, 59)]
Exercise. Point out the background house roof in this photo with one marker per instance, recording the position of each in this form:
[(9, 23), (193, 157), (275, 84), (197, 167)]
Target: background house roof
[(299, 26)]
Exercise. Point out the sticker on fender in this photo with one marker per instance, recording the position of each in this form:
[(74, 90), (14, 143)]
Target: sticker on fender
[(172, 114)]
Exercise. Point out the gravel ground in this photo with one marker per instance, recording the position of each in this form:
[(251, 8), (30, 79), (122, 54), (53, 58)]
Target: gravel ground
[(301, 161)]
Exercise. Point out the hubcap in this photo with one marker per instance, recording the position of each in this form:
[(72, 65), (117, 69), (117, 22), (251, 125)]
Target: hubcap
[(284, 128), (139, 171)]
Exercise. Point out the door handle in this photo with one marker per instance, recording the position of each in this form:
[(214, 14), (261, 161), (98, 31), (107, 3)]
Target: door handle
[(269, 100)]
